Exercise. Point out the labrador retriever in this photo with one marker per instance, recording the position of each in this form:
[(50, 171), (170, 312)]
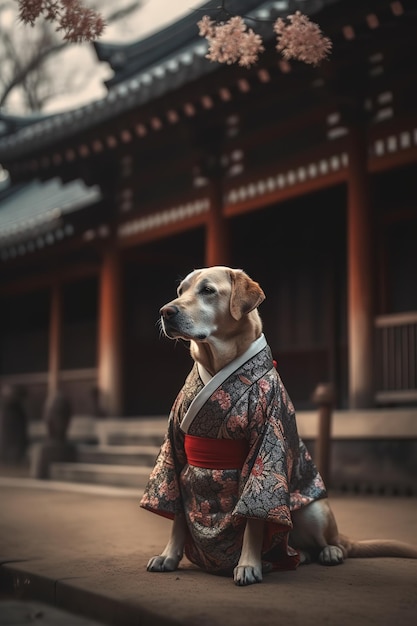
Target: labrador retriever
[(216, 311)]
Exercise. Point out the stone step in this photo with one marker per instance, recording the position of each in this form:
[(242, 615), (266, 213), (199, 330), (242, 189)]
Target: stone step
[(123, 457), (134, 439), (132, 432), (120, 431), (99, 474), (118, 455)]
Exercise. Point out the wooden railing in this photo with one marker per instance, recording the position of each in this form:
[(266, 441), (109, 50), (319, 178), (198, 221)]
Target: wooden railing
[(396, 358)]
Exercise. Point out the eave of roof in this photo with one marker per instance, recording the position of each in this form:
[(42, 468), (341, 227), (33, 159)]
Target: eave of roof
[(129, 59), (9, 124), (27, 210), (166, 70)]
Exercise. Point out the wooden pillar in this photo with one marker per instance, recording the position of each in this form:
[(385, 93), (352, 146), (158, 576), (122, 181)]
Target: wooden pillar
[(55, 329), (110, 334), (360, 274), (217, 228)]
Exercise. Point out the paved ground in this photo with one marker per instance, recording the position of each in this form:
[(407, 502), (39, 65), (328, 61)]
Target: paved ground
[(86, 552)]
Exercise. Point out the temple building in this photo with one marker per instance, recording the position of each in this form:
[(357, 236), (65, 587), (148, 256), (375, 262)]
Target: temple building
[(303, 176)]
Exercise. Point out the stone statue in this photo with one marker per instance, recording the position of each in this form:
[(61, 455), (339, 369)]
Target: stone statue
[(13, 425)]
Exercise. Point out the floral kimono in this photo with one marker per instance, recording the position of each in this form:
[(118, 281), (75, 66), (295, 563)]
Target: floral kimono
[(232, 452)]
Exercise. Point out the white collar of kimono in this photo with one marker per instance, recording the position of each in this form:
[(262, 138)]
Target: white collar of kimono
[(211, 383)]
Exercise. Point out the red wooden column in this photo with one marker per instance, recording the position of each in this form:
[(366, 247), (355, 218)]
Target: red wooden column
[(360, 274), (217, 228), (110, 334), (55, 329)]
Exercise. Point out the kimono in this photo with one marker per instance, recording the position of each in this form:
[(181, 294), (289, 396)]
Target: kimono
[(232, 452)]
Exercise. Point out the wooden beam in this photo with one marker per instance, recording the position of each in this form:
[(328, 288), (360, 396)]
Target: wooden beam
[(281, 195), (392, 160), (47, 278), (161, 232)]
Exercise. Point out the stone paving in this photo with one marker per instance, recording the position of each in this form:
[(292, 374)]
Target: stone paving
[(84, 550)]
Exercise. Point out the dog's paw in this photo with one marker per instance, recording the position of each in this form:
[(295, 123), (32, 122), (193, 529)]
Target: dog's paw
[(331, 555), (247, 575), (162, 564), (305, 557)]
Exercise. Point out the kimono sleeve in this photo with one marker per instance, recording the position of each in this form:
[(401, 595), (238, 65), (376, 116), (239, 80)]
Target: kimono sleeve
[(162, 493), (265, 476)]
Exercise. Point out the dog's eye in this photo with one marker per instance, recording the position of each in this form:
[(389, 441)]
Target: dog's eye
[(207, 290)]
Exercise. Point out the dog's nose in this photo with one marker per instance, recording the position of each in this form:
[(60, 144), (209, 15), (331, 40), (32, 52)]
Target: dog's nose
[(168, 311)]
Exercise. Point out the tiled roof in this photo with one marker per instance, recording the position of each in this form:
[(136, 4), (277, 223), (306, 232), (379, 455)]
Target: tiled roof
[(10, 124), (130, 59), (152, 67), (32, 209)]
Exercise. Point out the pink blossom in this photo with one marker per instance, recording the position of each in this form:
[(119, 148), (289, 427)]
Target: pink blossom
[(205, 507), (200, 515), (222, 398), (151, 501), (300, 39), (237, 421), (318, 482), (206, 27), (258, 467), (226, 503), (170, 490), (264, 385), (262, 468), (231, 41)]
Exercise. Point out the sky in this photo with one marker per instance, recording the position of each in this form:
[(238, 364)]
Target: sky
[(153, 15)]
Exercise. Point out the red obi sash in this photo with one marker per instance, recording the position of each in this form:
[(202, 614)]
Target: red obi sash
[(215, 453)]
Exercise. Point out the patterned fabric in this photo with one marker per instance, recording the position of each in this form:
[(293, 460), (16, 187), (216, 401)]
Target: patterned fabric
[(278, 475)]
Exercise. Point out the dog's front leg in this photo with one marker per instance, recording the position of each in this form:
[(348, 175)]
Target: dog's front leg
[(249, 569), (170, 558)]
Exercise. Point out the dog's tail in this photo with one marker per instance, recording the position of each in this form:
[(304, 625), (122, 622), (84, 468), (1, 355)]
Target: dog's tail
[(379, 547)]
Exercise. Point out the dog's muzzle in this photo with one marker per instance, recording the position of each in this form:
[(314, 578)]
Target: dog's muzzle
[(176, 324), (169, 311), (169, 317)]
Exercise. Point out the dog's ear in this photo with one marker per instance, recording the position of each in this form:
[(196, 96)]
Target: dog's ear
[(246, 294)]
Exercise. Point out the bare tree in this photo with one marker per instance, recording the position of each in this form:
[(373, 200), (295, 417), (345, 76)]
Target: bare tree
[(26, 52)]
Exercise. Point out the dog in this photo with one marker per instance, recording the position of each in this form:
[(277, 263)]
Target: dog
[(216, 311)]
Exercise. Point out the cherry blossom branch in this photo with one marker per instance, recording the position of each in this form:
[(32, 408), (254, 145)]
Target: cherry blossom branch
[(77, 22), (300, 39), (232, 41)]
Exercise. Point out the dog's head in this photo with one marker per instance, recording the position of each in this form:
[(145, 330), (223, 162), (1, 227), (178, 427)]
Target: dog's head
[(214, 302)]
